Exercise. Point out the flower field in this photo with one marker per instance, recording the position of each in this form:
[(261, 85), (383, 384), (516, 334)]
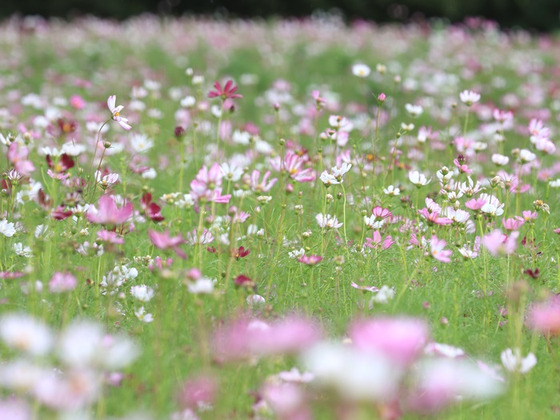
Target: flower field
[(278, 220)]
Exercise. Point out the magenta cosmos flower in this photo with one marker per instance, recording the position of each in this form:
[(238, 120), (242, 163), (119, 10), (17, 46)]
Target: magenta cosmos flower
[(228, 92), (108, 213), (116, 111)]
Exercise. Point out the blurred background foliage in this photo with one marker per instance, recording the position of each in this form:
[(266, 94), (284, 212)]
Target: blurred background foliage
[(541, 15)]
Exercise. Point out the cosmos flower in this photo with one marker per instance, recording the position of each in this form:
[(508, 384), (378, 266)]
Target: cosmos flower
[(514, 362), (468, 97), (116, 112), (108, 213), (228, 92), (361, 70)]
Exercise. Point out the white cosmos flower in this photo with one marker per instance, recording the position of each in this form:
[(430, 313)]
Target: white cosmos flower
[(7, 228), (514, 362), (22, 250), (468, 97), (85, 344), (384, 295), (418, 178), (328, 179), (142, 292), (392, 190), (328, 221), (353, 374), (143, 316), (73, 149), (414, 110), (141, 143), (526, 156), (372, 223), (500, 160), (202, 285), (188, 101), (339, 172), (25, 333), (361, 70), (241, 137), (231, 172)]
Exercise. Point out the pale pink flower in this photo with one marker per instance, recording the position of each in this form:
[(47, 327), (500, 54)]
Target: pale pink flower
[(544, 317), (468, 97), (252, 337), (497, 243), (18, 156), (116, 111), (259, 186), (110, 237), (62, 282), (108, 213), (165, 241), (513, 223), (288, 401), (441, 382), (13, 409), (198, 393), (293, 165), (399, 339), (437, 250)]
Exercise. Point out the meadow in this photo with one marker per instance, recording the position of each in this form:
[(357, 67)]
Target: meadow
[(291, 220)]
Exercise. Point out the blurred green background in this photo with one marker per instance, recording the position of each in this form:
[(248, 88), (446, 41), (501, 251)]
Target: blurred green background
[(542, 15)]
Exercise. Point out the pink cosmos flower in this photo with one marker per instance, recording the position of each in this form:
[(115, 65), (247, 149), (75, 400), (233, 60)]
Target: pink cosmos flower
[(310, 259), (287, 400), (293, 165), (261, 186), (116, 111), (399, 339), (434, 217), (77, 102), (529, 215), (207, 185), (110, 237), (228, 92), (376, 241), (475, 204), (62, 282), (17, 154), (252, 337), (437, 250), (497, 243), (544, 317), (198, 392), (513, 223), (164, 241), (108, 213)]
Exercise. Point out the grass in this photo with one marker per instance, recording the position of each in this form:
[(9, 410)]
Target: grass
[(479, 304)]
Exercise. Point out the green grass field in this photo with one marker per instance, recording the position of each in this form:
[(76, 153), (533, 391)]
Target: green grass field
[(387, 229)]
